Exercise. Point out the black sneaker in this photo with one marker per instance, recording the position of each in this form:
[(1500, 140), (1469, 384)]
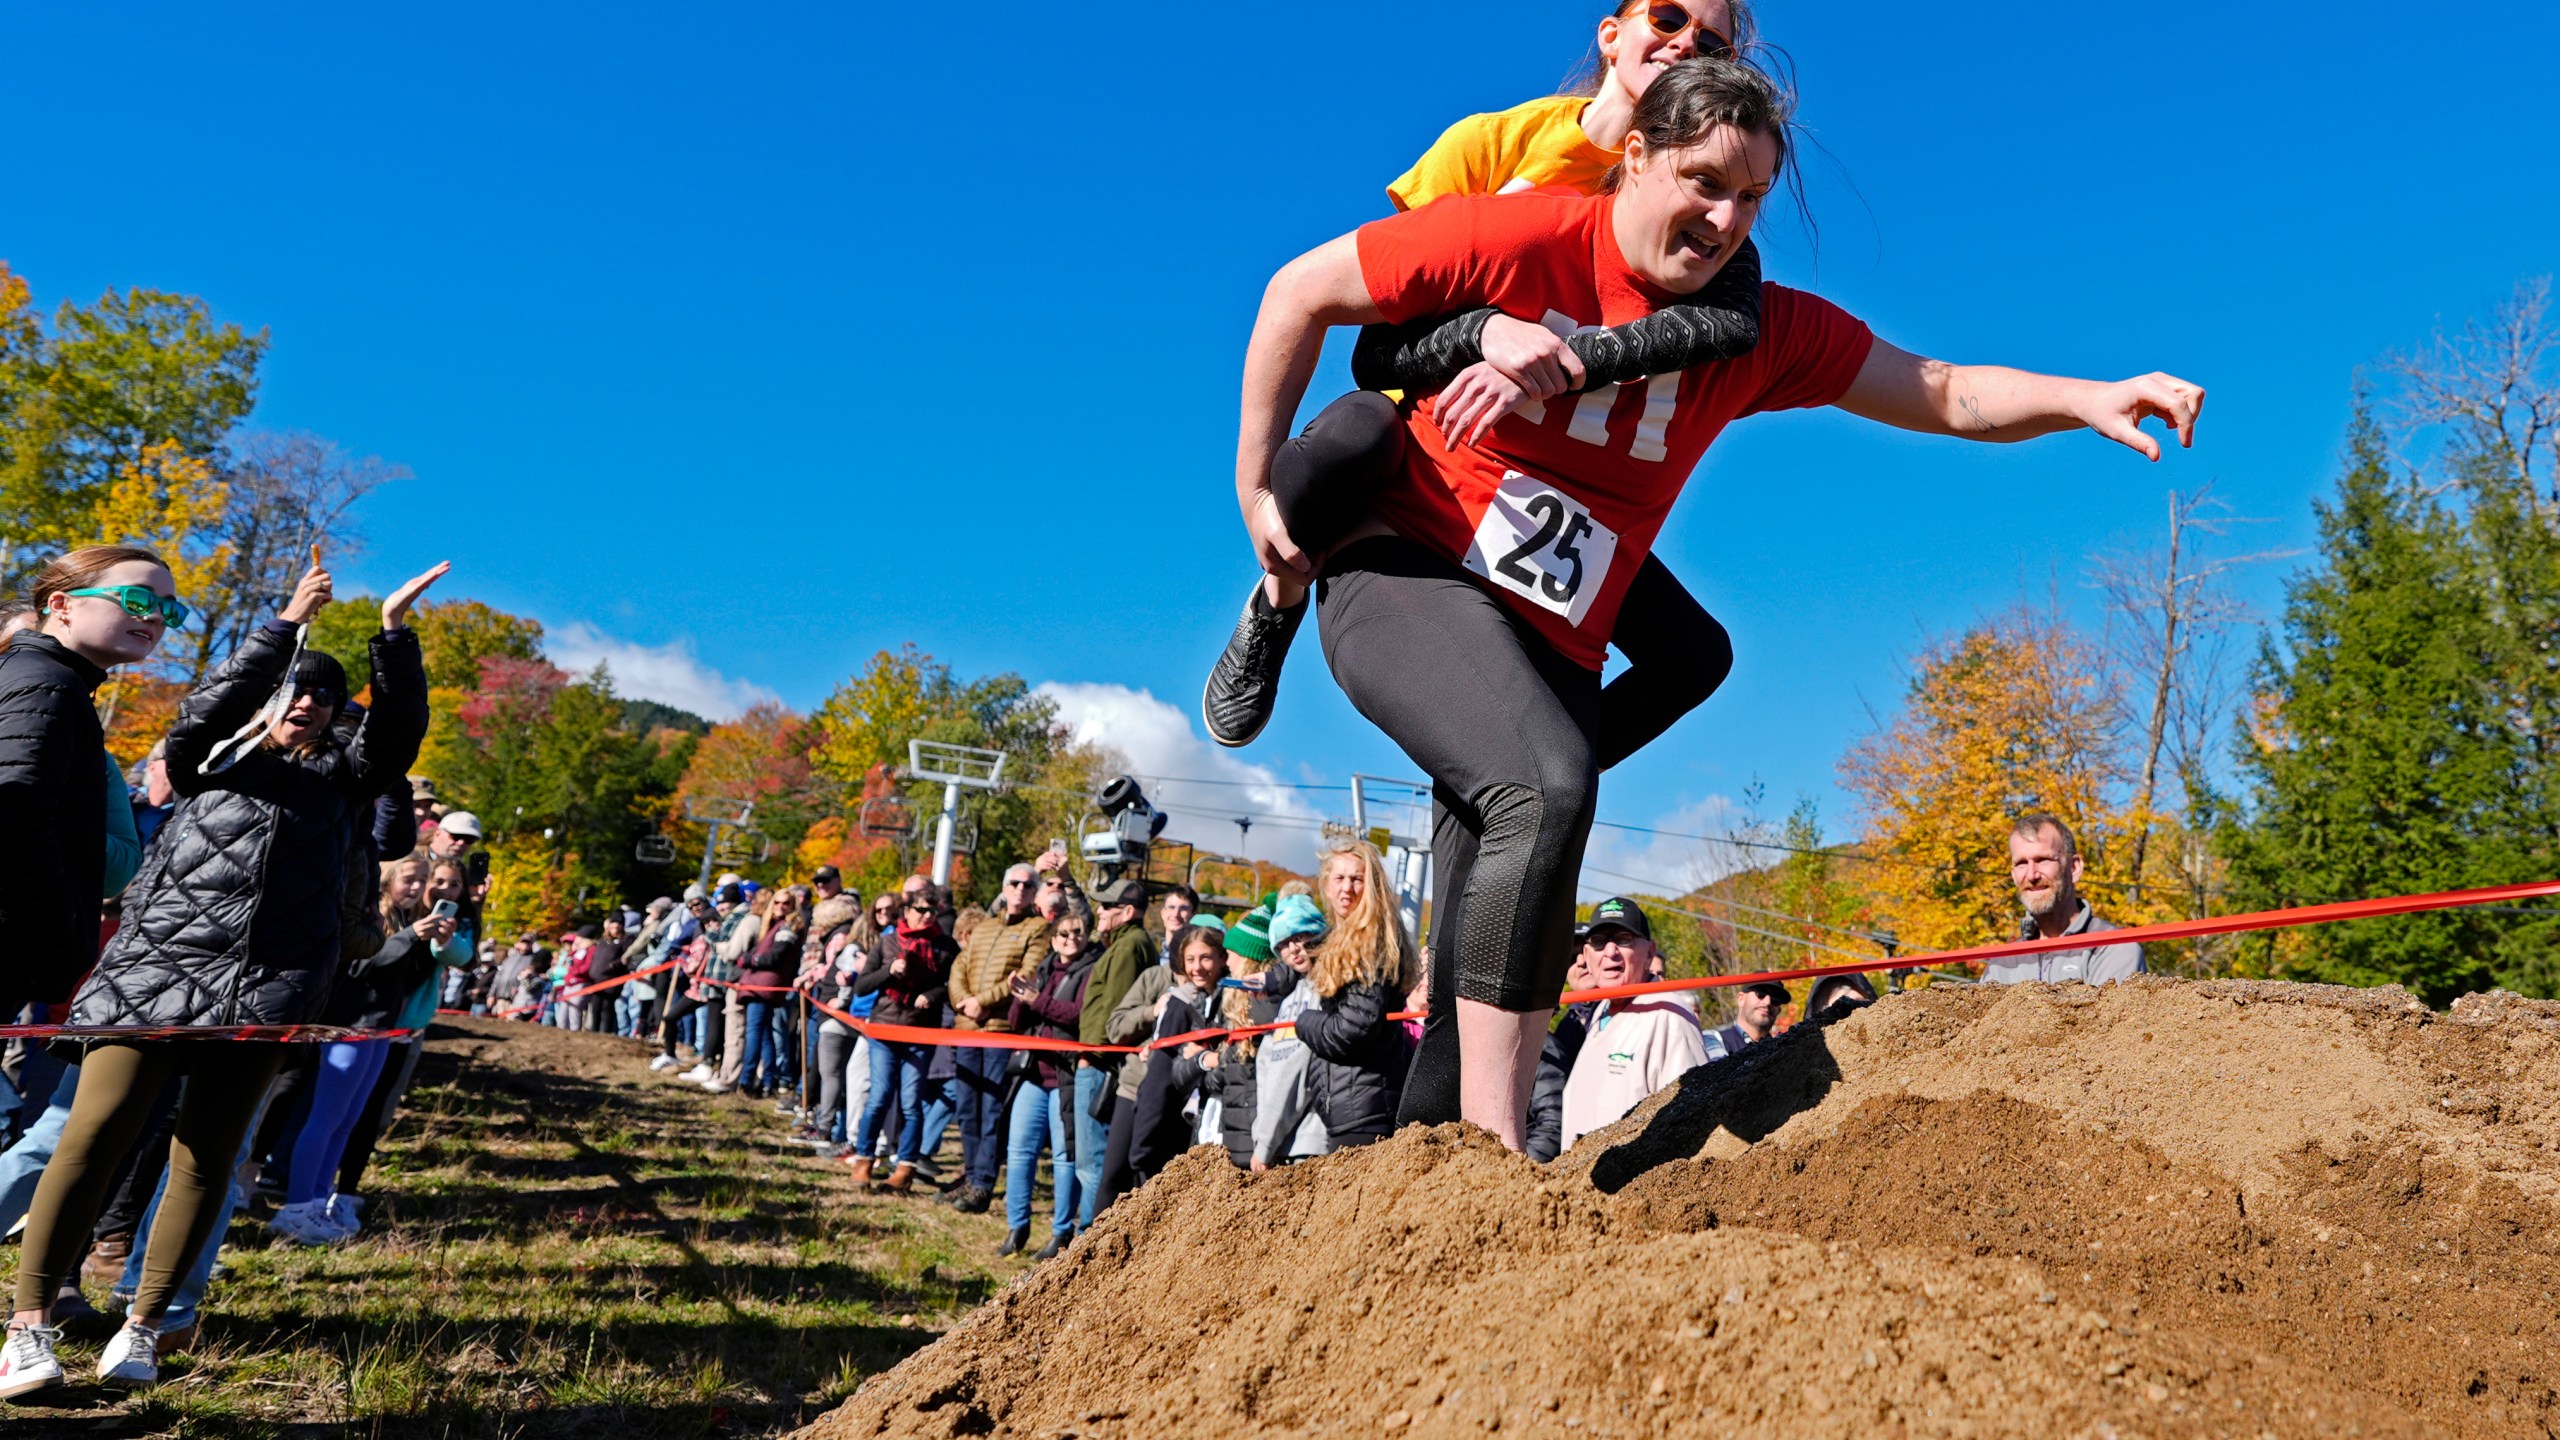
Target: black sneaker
[(1245, 683), (975, 1200)]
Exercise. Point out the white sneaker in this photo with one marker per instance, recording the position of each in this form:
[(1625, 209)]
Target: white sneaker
[(305, 1223), (697, 1074), (663, 1062), (27, 1363), (718, 1087), (132, 1358), (347, 1213)]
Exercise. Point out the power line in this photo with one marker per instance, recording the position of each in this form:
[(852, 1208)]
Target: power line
[(1712, 899), (1656, 887)]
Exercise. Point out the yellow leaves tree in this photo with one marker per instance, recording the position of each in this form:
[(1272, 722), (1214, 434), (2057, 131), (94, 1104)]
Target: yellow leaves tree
[(2011, 716), (170, 501)]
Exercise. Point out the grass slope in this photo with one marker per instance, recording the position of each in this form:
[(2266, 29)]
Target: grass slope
[(560, 1244)]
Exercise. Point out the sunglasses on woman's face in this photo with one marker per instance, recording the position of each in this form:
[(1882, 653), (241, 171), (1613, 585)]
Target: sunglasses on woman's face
[(139, 601), (1669, 19)]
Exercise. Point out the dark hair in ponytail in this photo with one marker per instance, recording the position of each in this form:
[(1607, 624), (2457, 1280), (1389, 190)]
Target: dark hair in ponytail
[(1695, 96)]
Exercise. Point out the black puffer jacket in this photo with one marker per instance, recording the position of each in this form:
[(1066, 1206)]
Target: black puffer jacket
[(1358, 1075), (1232, 1085), (53, 825), (234, 919)]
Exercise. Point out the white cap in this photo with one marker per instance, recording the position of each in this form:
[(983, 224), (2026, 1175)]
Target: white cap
[(461, 822)]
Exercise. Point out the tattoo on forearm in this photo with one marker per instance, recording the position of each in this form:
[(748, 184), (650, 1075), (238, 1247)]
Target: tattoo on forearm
[(1973, 408)]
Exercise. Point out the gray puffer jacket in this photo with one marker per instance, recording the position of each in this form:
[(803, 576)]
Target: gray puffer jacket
[(235, 917)]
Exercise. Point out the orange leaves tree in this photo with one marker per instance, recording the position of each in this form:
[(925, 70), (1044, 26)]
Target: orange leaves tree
[(2012, 715)]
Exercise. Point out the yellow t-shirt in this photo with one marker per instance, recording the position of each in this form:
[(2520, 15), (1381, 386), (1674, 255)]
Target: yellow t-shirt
[(1526, 147)]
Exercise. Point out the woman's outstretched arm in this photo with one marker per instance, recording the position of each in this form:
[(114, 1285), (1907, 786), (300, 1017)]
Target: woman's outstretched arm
[(1996, 403)]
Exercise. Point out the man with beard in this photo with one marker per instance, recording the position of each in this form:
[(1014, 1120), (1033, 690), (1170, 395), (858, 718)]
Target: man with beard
[(2044, 862)]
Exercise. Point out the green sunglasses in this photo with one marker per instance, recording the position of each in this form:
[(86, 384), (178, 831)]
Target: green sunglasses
[(140, 601)]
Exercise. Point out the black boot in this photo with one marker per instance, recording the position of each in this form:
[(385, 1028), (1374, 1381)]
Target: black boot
[(1057, 1242), (1015, 1242)]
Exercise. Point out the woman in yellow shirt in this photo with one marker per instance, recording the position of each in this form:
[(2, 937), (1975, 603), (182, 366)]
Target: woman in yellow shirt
[(1677, 654)]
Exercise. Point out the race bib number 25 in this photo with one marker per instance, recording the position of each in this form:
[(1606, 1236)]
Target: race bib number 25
[(1542, 544)]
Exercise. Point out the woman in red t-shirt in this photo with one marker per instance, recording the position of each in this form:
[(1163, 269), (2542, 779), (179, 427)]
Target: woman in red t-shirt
[(1468, 616)]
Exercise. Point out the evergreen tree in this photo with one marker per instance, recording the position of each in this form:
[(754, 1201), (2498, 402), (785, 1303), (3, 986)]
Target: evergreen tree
[(2378, 758)]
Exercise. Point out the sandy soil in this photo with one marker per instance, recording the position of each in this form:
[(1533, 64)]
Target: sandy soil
[(2163, 1209)]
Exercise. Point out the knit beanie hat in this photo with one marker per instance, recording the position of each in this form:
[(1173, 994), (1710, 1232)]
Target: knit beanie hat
[(1250, 937), (1296, 916), (1210, 922)]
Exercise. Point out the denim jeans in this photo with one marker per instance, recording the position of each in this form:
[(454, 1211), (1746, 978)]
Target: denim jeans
[(897, 1083), (24, 1163), (938, 1115), (332, 1104), (757, 1066), (783, 1059), (1039, 1115), (1092, 1138), (977, 1092)]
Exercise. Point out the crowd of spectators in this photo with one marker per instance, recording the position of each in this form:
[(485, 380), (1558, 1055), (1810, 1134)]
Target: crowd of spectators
[(271, 866)]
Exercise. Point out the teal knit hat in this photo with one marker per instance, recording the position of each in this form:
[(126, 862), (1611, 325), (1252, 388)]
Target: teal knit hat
[(1250, 936)]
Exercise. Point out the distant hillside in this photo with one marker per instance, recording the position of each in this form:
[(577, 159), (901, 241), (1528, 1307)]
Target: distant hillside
[(644, 716)]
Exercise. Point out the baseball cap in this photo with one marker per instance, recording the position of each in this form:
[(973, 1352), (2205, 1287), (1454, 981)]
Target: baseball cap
[(828, 875), (421, 788), (1123, 891), (1771, 988), (1619, 911), (460, 822)]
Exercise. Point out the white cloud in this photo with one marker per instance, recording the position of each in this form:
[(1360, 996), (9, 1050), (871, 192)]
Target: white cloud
[(1202, 787), (670, 674)]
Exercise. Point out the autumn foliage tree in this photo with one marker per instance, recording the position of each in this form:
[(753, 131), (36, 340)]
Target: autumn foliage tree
[(2004, 718)]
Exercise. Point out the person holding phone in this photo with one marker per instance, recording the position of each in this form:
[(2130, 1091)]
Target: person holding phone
[(371, 994)]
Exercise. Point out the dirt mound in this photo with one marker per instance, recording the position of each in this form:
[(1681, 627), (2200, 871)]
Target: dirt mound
[(2159, 1209)]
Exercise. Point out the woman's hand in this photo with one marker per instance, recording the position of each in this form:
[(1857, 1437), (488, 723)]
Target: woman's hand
[(1021, 988), (1532, 355), (1208, 1059), (2117, 410), (1481, 395), (310, 596), (1260, 1165), (434, 929), (1273, 550), (395, 611)]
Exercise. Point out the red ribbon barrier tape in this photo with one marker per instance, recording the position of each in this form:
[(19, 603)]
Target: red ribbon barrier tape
[(2174, 930), (2329, 914)]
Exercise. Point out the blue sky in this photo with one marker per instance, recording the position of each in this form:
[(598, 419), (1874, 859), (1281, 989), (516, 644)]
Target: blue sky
[(737, 345)]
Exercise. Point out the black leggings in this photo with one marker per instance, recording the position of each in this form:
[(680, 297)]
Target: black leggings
[(1325, 479)]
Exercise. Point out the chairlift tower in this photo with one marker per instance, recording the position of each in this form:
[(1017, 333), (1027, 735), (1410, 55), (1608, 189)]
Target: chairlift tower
[(716, 816), (1408, 857), (958, 767)]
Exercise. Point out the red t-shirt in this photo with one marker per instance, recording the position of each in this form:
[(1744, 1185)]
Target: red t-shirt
[(1557, 506)]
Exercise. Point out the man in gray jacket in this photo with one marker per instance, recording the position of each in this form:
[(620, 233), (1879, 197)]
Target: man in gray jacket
[(2044, 862)]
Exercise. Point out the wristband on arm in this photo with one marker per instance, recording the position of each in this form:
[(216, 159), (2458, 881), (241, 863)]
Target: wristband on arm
[(1721, 322)]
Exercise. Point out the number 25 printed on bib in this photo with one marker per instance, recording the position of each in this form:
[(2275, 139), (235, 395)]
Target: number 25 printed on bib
[(1541, 544)]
